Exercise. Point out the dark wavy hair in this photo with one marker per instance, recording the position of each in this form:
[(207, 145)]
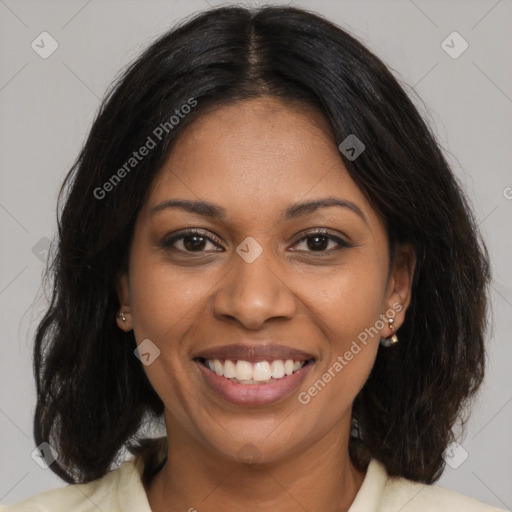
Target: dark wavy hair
[(93, 396)]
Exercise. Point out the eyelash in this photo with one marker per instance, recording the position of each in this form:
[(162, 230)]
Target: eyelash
[(168, 243)]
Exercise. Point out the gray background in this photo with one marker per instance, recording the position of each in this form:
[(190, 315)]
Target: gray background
[(47, 106)]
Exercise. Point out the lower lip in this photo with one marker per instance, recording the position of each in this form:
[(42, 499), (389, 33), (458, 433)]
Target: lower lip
[(254, 394)]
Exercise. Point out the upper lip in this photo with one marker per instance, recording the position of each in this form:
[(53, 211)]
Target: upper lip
[(253, 352)]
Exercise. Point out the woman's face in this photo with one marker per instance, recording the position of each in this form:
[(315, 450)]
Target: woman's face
[(250, 278)]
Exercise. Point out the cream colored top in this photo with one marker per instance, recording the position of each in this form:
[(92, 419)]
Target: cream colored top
[(121, 490)]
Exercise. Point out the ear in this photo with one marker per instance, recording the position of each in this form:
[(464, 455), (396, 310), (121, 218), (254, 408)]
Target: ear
[(123, 293), (400, 284)]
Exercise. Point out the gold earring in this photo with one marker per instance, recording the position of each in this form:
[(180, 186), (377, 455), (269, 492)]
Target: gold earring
[(393, 339), (122, 317)]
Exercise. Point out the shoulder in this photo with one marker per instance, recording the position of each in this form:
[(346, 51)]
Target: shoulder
[(118, 490), (408, 496)]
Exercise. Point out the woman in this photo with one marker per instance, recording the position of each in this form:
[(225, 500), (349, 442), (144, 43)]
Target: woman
[(262, 242)]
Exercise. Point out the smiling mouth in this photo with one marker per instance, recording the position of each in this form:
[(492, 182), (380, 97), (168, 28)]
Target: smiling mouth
[(259, 372)]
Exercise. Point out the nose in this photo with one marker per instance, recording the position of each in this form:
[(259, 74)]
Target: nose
[(253, 293)]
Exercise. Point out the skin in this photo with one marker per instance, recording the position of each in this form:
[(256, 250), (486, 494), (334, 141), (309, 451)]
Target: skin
[(254, 158)]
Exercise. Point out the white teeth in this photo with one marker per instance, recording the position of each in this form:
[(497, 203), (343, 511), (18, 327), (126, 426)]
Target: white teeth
[(277, 368), (261, 371), (229, 369), (217, 367), (288, 367), (245, 372)]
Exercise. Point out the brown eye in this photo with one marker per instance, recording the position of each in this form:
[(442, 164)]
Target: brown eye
[(194, 243), (190, 241), (318, 241)]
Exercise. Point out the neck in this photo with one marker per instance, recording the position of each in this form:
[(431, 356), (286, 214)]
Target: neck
[(318, 477)]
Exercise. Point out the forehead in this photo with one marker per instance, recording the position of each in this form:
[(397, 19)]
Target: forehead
[(253, 156)]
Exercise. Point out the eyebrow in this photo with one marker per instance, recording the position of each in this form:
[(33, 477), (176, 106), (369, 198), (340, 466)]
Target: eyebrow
[(293, 211)]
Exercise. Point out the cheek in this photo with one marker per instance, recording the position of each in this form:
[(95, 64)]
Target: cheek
[(349, 301), (163, 296), (164, 301), (346, 307)]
